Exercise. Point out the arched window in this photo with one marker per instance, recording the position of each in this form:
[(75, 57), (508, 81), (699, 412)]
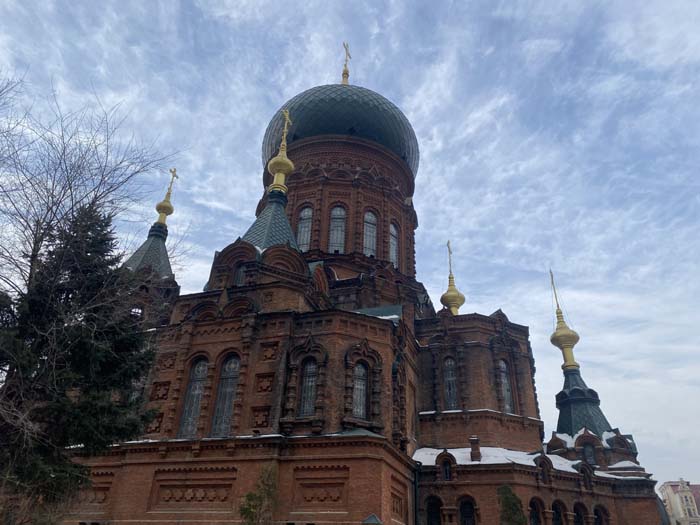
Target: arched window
[(394, 245), (589, 454), (307, 401), (579, 515), (336, 238), (193, 399), (506, 391), (467, 514), (450, 380), (536, 517), (558, 513), (600, 516), (225, 394), (359, 391), (304, 229), (370, 235), (446, 470), (434, 511), (239, 276)]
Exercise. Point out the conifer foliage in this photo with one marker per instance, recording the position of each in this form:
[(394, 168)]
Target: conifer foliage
[(71, 356), (511, 507)]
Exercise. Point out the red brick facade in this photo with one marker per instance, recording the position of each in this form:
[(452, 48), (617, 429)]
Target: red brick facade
[(279, 310)]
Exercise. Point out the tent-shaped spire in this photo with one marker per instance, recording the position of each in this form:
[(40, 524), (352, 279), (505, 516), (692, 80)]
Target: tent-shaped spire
[(152, 254), (272, 227)]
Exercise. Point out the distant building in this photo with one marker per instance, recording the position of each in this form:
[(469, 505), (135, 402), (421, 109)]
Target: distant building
[(682, 501), (315, 349)]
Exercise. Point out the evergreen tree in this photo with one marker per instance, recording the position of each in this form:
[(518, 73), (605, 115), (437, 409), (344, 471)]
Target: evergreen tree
[(258, 507), (70, 357), (511, 507)]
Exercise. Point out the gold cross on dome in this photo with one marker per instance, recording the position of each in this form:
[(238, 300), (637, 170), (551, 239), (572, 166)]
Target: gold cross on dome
[(173, 176), (347, 53), (449, 255)]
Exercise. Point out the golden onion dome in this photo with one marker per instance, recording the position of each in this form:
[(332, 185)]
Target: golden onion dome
[(452, 298)]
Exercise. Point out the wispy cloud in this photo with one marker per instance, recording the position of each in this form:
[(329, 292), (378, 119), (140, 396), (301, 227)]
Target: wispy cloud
[(562, 134)]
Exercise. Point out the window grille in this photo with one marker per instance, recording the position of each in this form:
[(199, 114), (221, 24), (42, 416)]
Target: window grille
[(506, 390), (450, 379), (307, 401), (304, 229), (336, 240), (193, 400), (370, 235), (394, 245), (359, 391), (225, 395)]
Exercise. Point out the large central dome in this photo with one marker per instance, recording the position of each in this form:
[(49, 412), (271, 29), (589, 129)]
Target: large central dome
[(338, 109)]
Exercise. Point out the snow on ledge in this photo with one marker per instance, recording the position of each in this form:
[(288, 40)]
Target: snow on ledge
[(493, 456)]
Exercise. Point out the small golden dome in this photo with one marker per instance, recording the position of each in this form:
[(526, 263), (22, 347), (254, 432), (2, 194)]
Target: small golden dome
[(165, 207), (280, 163), (452, 298)]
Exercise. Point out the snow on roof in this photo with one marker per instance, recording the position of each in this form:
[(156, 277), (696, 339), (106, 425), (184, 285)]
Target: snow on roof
[(603, 474), (624, 464), (571, 440), (492, 456)]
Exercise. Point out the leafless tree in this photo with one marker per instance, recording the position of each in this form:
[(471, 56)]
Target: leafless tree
[(52, 165)]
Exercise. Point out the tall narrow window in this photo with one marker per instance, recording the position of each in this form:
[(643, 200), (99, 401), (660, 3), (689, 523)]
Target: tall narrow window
[(446, 470), (225, 395), (370, 235), (307, 402), (589, 454), (304, 229), (193, 399), (359, 391), (239, 276), (467, 514), (506, 390), (434, 511), (336, 239), (535, 513), (579, 515), (394, 245), (557, 514), (450, 380)]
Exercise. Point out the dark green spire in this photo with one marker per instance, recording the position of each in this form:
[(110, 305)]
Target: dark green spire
[(272, 227), (579, 407), (152, 254)]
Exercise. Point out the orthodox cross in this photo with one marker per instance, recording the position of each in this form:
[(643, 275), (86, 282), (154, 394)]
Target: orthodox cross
[(449, 255), (554, 289), (173, 176), (287, 122), (347, 53)]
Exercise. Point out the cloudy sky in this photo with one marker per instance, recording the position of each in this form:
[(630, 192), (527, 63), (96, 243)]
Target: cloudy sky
[(562, 134)]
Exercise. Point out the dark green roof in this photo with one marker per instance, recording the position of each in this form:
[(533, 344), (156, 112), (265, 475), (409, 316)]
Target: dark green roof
[(579, 407), (338, 109), (271, 227), (152, 255)]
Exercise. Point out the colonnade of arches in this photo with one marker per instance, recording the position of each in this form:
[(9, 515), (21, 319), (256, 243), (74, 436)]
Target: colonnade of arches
[(537, 513)]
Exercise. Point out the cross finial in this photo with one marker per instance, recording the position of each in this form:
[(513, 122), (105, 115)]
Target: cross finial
[(287, 122), (554, 288), (449, 255), (346, 72), (173, 176)]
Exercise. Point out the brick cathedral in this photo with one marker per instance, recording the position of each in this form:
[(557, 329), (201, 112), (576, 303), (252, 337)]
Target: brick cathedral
[(314, 349)]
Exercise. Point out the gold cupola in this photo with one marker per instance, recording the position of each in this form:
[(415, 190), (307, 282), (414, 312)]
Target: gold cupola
[(165, 207), (563, 337), (280, 166), (452, 298)]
